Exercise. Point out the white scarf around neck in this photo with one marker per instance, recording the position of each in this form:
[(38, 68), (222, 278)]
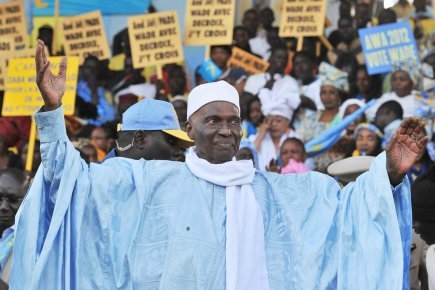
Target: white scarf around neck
[(245, 248)]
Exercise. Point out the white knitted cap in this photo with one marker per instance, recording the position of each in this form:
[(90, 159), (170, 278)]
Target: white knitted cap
[(220, 91)]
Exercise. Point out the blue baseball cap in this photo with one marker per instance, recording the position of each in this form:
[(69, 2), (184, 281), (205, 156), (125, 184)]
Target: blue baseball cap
[(152, 115)]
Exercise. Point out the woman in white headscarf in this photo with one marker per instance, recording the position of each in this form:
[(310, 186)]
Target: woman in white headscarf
[(334, 84), (278, 112)]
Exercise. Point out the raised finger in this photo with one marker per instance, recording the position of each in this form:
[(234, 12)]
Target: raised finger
[(418, 131), (43, 71), (404, 125), (63, 68), (38, 56), (44, 56)]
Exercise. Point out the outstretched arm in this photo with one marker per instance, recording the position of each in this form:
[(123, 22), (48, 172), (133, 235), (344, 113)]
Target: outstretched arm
[(406, 147)]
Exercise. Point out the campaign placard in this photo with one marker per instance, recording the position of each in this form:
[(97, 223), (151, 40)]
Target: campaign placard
[(387, 44), (209, 22), (247, 61), (302, 18), (22, 96), (13, 22), (155, 39), (85, 35)]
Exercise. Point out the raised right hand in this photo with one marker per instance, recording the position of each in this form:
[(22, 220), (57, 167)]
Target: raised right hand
[(51, 87)]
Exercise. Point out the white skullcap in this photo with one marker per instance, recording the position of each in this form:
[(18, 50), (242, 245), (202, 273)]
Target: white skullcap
[(348, 103), (220, 91)]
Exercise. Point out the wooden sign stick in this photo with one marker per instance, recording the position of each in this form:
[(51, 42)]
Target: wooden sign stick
[(55, 28), (207, 52), (300, 43), (31, 146)]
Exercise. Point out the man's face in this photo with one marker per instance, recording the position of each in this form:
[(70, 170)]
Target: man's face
[(241, 38), (220, 57), (345, 28), (303, 68), (11, 196), (279, 60), (162, 146), (250, 21), (266, 17), (99, 137), (383, 118), (216, 130), (181, 110), (362, 16), (177, 81)]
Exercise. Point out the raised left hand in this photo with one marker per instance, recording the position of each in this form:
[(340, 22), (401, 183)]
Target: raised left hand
[(406, 147)]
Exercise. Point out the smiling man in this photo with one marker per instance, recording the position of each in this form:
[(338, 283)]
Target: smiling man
[(212, 222)]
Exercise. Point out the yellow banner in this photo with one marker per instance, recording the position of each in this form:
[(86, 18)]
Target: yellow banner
[(22, 97), (155, 39), (209, 22), (247, 61), (13, 22), (85, 35), (302, 18)]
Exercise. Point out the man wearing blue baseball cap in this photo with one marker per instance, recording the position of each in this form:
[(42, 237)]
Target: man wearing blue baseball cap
[(150, 130), (212, 222)]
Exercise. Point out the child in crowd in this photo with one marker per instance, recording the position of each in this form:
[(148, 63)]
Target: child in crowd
[(247, 152), (293, 156), (368, 139)]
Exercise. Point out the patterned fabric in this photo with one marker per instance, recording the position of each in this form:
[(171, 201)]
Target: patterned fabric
[(6, 246), (415, 70), (332, 76)]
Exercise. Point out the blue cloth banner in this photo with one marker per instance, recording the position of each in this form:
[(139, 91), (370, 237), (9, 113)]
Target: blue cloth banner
[(75, 7), (209, 71), (386, 44), (329, 137)]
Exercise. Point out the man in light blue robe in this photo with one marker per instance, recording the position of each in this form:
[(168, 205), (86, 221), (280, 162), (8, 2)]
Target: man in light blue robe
[(136, 224)]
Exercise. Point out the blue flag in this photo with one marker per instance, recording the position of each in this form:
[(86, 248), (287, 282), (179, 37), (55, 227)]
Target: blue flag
[(329, 137), (209, 71)]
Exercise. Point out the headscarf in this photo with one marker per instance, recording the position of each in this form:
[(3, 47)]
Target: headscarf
[(332, 76), (370, 127), (348, 103), (410, 66), (245, 143)]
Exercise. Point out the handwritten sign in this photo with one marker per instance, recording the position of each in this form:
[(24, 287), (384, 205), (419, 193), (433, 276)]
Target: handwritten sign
[(247, 61), (209, 22), (155, 39), (22, 97), (386, 44), (302, 18), (13, 22), (84, 35)]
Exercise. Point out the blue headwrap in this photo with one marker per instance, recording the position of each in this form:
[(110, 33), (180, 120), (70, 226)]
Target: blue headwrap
[(245, 143)]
